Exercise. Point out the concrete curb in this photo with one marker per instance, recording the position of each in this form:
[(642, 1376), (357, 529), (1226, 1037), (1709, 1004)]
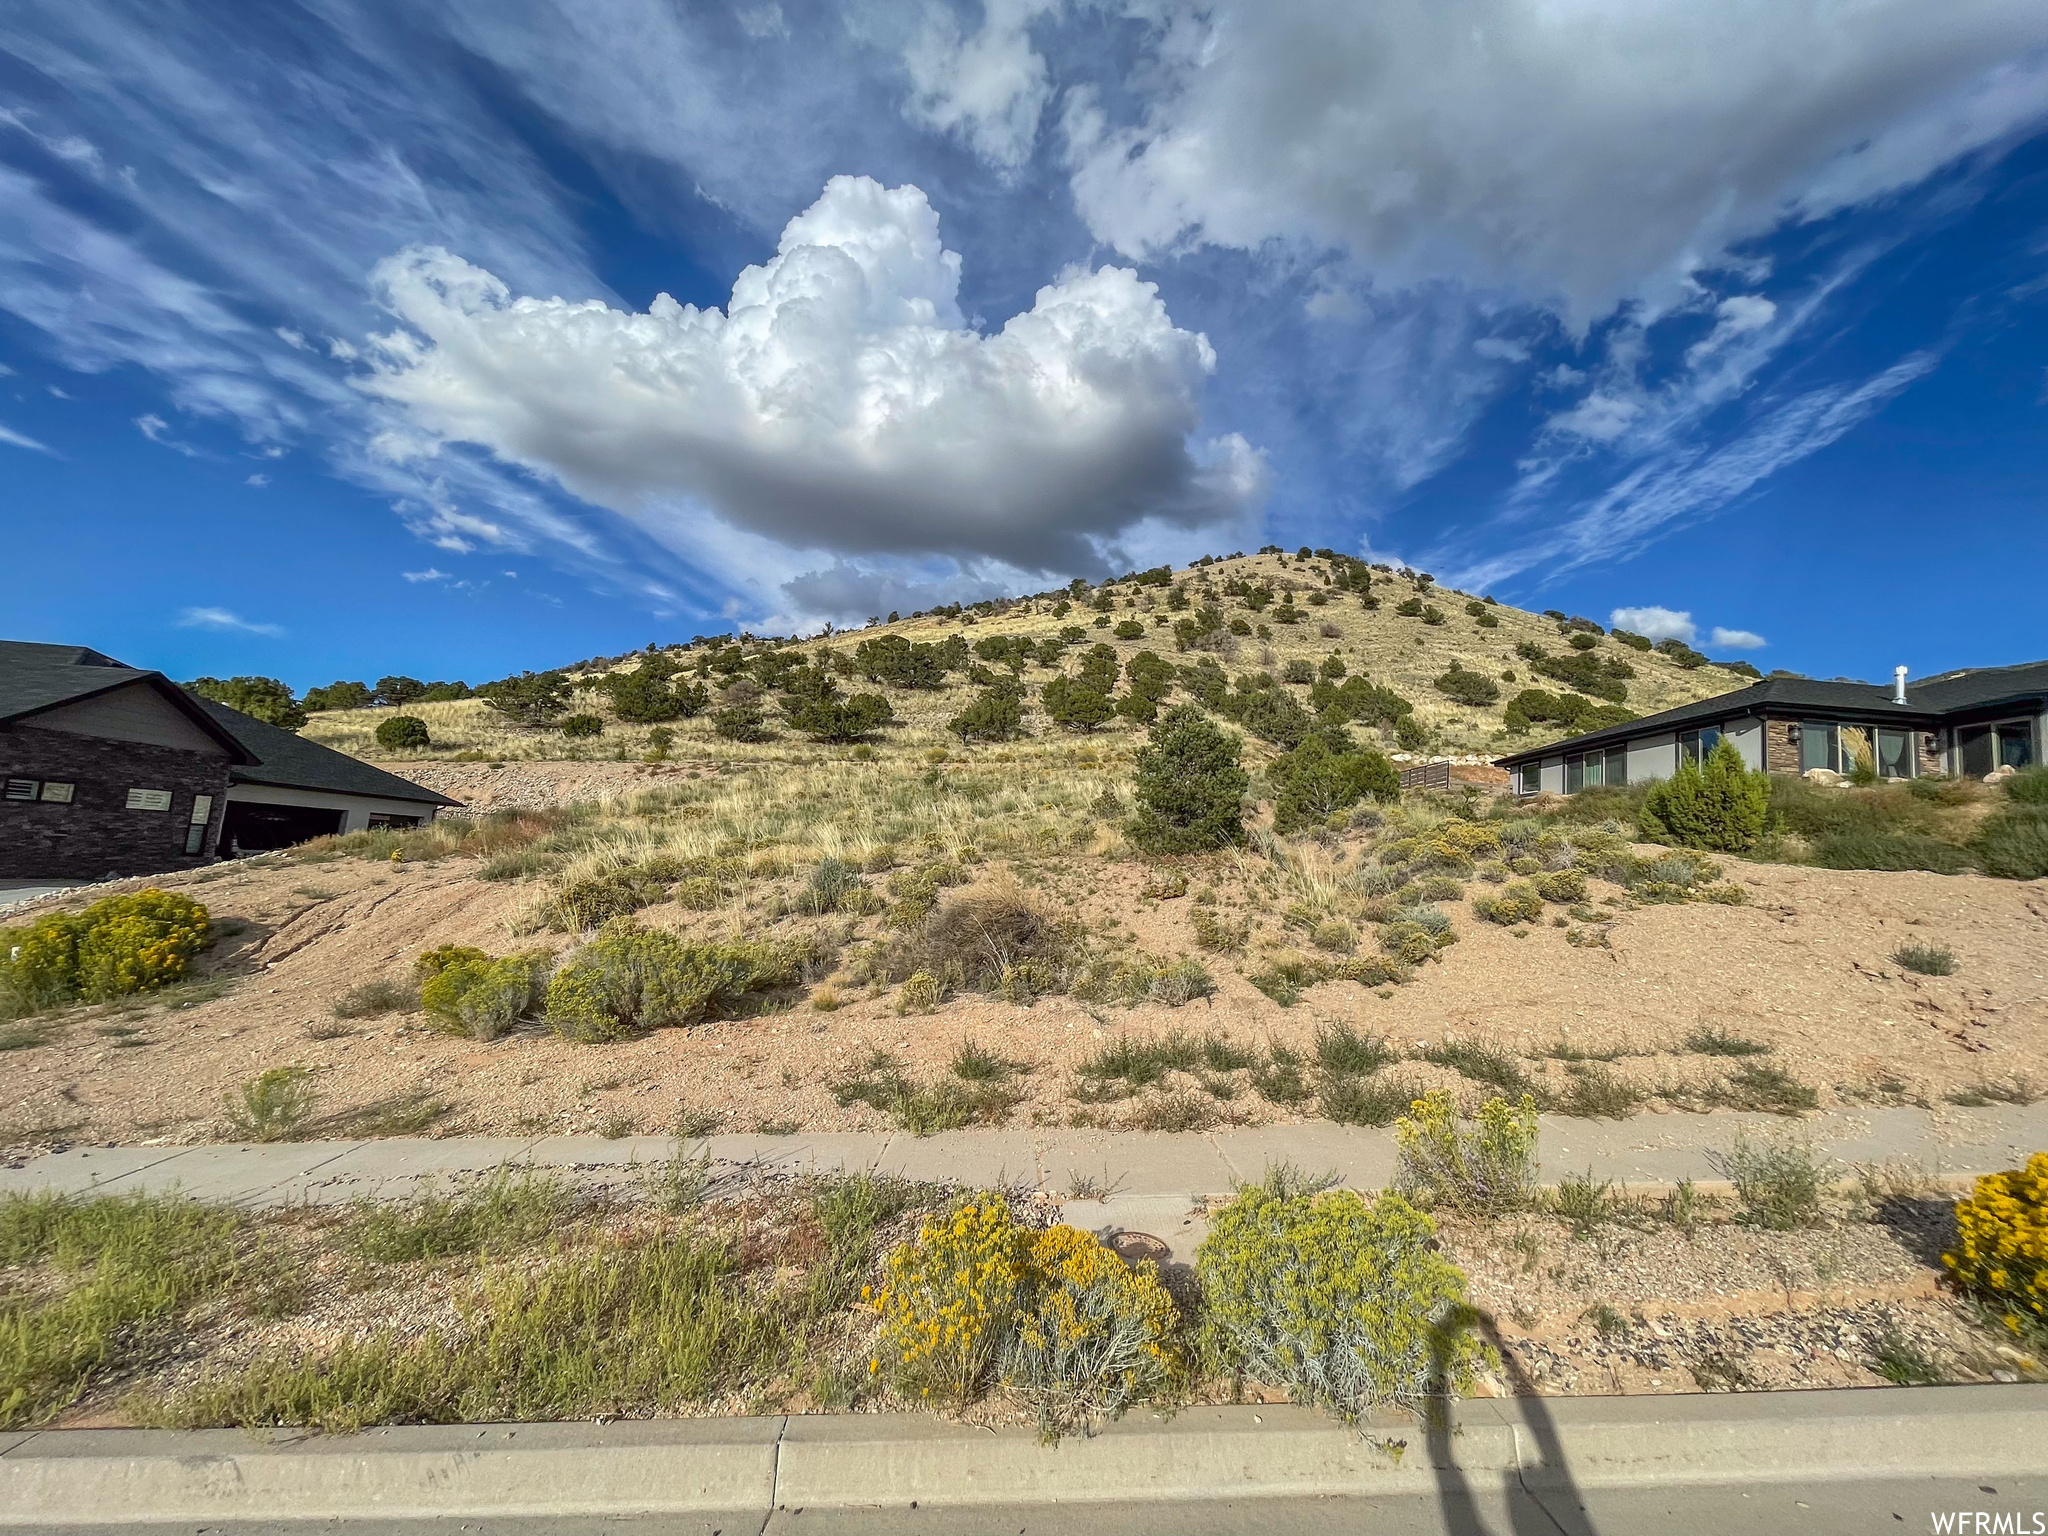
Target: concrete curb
[(752, 1467)]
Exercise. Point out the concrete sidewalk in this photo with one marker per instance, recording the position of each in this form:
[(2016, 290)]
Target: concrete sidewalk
[(1563, 1460), (1647, 1151)]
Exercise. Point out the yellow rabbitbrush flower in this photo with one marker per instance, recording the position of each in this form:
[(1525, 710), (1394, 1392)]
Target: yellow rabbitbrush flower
[(1103, 1334), (115, 947), (978, 1297), (2001, 1252)]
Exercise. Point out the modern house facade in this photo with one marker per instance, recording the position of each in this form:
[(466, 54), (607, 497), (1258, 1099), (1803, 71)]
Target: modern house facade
[(111, 769), (1969, 722)]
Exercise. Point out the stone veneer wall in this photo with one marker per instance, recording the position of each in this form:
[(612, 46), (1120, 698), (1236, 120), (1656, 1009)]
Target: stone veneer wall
[(1781, 752), (96, 834)]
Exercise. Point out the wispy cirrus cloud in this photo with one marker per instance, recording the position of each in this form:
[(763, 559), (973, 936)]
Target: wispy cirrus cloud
[(225, 620), (16, 439)]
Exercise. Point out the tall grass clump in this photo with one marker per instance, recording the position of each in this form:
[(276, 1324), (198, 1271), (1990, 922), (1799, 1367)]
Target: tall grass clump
[(1777, 1183), (1485, 1166), (503, 1212), (122, 1268), (1344, 1302)]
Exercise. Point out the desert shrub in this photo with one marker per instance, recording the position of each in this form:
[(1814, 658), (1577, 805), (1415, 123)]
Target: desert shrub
[(1095, 1336), (1926, 959), (1416, 932), (369, 999), (1345, 1303), (743, 720), (403, 733), (1888, 850), (1485, 1166), (2013, 844), (273, 1105), (1341, 1049), (582, 727), (1136, 979), (1563, 886), (1516, 902), (1720, 806), (475, 995), (2029, 787), (1777, 1183), (2001, 1247), (1216, 933), (990, 940), (950, 1300), (114, 948), (629, 979), (1190, 787)]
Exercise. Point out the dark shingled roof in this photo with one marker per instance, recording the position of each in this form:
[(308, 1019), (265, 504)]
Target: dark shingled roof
[(289, 761), (34, 678), (37, 677), (1929, 703)]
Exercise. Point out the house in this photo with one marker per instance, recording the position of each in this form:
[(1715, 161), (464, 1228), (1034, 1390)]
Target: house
[(110, 769), (1970, 722)]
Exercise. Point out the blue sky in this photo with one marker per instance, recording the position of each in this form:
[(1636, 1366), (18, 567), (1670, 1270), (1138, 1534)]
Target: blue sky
[(335, 342)]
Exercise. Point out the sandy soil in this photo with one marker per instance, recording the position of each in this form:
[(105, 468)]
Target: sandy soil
[(1803, 968)]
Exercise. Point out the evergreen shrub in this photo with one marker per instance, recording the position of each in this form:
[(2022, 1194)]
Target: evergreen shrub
[(403, 733), (1722, 806)]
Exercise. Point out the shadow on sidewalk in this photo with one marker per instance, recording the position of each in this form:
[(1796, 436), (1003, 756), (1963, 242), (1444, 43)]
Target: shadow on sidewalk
[(1557, 1508)]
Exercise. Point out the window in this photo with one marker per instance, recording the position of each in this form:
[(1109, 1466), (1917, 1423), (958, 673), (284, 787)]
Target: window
[(1617, 767), (1975, 747), (382, 823), (1574, 774), (1697, 746), (1816, 745), (2016, 745), (1528, 779), (1894, 754)]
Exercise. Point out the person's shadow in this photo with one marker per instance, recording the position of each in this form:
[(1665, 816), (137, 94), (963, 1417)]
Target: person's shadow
[(1559, 1508)]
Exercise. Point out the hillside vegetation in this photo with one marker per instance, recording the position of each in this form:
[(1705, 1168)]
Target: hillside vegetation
[(1274, 642)]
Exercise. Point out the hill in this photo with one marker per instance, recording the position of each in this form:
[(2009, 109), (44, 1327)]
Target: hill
[(1435, 671)]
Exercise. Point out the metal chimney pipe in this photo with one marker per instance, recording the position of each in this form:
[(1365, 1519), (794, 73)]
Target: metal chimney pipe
[(1898, 685)]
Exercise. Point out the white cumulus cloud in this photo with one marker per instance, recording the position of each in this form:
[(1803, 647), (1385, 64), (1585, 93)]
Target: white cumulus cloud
[(1736, 639), (1577, 155), (224, 619), (839, 406), (989, 86), (1656, 623)]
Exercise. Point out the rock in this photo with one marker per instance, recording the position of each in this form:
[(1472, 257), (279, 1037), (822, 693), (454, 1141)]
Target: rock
[(1821, 776), (2000, 774)]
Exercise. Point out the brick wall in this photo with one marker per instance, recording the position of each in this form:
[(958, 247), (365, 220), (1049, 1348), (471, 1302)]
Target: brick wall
[(96, 834), (1781, 752)]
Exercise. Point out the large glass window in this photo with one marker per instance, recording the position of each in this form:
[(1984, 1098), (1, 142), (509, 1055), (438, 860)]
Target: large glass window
[(1975, 745), (1697, 746), (1617, 766), (1816, 745), (2016, 744), (1574, 774), (1894, 754)]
